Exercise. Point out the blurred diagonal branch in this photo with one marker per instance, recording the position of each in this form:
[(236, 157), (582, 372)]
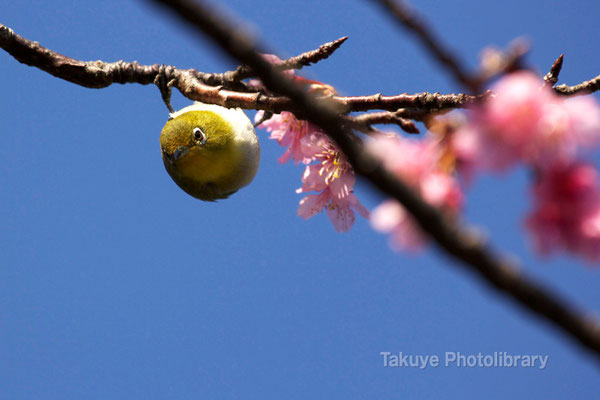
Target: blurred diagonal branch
[(452, 238), (411, 21)]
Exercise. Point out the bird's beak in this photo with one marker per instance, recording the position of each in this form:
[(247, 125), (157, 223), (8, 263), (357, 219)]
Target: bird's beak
[(177, 154), (180, 152)]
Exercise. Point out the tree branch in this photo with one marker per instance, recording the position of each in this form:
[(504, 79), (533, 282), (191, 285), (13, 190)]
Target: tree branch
[(472, 253), (587, 87), (207, 87), (411, 21), (302, 60), (91, 74), (365, 122)]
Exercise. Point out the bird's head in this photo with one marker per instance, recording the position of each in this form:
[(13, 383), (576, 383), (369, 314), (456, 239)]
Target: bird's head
[(210, 151)]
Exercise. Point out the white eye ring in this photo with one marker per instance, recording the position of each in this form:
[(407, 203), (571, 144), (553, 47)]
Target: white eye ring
[(199, 135)]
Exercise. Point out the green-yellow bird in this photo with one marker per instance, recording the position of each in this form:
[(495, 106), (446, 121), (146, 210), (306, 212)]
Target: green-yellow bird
[(210, 151)]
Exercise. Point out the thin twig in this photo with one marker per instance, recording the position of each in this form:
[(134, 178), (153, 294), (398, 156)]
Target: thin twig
[(365, 122), (586, 87), (411, 21), (455, 240), (297, 62)]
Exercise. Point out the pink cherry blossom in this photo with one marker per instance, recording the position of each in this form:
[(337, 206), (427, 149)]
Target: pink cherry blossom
[(339, 210), (441, 190), (288, 131), (390, 217), (476, 150), (409, 158), (567, 211), (567, 127), (339, 180), (332, 166), (285, 127), (525, 121), (331, 175), (416, 162), (334, 178)]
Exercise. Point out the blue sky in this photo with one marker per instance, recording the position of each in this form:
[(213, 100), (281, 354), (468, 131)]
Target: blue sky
[(116, 284)]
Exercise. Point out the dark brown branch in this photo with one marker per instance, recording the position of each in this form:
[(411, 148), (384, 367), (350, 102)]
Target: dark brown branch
[(455, 240), (197, 85), (433, 44), (551, 77), (92, 74), (431, 102)]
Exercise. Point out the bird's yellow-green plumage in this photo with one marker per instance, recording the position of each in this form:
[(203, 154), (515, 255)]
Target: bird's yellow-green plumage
[(210, 151)]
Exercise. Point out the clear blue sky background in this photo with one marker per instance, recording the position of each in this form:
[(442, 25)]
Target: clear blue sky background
[(115, 284)]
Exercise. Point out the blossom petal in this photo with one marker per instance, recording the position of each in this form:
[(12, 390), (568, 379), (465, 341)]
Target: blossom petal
[(387, 216), (312, 204), (358, 207), (341, 216)]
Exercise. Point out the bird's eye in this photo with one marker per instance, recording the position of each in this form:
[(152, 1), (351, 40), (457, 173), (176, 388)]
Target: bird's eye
[(199, 136)]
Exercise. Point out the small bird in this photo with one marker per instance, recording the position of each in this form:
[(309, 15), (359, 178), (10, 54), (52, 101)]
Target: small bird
[(210, 151)]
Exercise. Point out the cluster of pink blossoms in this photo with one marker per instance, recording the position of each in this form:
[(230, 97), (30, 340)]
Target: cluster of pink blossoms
[(526, 122), (567, 210), (417, 163), (331, 175)]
